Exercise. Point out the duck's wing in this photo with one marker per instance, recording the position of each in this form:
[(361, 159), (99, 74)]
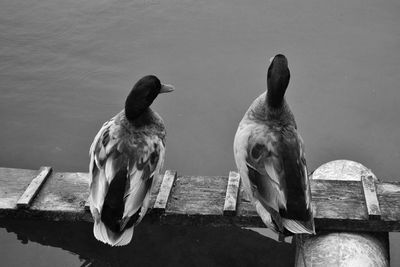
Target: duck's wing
[(99, 152), (298, 214), (259, 187), (141, 171), (274, 165), (133, 160)]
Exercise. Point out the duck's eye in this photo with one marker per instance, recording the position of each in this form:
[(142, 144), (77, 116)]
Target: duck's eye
[(257, 151)]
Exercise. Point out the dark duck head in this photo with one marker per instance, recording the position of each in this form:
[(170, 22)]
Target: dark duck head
[(277, 81), (142, 96)]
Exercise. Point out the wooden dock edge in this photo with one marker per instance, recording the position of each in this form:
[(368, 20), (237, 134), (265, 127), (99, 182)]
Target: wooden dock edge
[(339, 205), (350, 205)]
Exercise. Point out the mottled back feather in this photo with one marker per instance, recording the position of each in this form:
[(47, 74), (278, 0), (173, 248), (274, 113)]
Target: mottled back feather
[(270, 158), (125, 159)]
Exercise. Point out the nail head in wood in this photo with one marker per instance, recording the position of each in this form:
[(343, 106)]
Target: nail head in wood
[(165, 190), (33, 188), (371, 199), (232, 192)]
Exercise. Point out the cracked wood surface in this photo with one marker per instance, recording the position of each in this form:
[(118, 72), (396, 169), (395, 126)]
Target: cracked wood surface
[(338, 205)]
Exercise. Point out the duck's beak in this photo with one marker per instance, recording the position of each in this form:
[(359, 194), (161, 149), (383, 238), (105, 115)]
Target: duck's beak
[(166, 88), (271, 58)]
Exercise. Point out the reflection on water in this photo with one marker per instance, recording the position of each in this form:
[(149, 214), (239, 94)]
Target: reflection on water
[(155, 245), (66, 67)]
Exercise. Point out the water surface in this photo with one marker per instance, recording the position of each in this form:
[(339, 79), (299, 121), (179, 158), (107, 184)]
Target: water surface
[(66, 67)]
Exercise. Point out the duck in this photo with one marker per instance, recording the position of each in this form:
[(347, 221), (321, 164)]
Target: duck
[(126, 158), (269, 154)]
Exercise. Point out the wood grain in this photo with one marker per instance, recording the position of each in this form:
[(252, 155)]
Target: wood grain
[(371, 199), (199, 200), (232, 193), (13, 183), (33, 188), (389, 201), (198, 195), (165, 190)]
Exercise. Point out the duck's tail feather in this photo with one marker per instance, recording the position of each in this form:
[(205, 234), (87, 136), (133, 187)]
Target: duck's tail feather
[(278, 224), (265, 216), (299, 227), (106, 236)]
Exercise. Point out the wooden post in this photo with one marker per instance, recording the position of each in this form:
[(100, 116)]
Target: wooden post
[(346, 248)]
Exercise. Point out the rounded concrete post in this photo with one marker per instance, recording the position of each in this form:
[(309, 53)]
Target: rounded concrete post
[(342, 249)]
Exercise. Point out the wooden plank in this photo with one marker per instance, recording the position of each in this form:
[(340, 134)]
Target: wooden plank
[(232, 193), (13, 183), (339, 205), (198, 195), (63, 197), (33, 189), (389, 200), (165, 191), (344, 200), (371, 199)]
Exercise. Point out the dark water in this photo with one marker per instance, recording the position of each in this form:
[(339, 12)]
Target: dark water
[(66, 67), (152, 245)]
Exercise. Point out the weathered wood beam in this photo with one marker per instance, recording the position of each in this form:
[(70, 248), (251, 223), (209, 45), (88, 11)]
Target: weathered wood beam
[(33, 188), (232, 193), (339, 205), (371, 198), (165, 191)]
